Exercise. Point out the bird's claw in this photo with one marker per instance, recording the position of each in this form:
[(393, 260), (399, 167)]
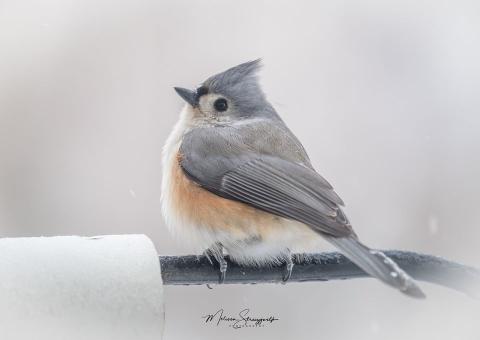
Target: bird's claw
[(223, 270), (216, 251), (288, 269)]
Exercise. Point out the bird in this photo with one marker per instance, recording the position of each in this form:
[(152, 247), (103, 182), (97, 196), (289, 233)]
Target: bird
[(237, 180)]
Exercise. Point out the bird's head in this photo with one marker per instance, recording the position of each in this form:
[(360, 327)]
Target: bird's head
[(232, 94)]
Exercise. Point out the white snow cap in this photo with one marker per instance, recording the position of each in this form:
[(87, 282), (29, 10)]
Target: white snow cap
[(105, 287)]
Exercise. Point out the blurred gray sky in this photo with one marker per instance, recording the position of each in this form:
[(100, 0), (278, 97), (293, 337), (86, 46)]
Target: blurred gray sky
[(385, 96)]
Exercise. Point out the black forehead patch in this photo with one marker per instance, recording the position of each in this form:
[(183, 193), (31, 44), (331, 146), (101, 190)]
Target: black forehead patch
[(202, 90)]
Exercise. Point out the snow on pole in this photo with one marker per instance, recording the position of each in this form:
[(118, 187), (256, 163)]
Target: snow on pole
[(105, 287)]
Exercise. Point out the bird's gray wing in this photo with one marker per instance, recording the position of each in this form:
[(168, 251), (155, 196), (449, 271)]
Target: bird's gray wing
[(217, 160)]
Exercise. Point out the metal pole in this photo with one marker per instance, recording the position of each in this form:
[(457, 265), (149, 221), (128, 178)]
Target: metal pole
[(197, 270)]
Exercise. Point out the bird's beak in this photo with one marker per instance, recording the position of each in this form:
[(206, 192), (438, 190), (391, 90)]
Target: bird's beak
[(188, 95)]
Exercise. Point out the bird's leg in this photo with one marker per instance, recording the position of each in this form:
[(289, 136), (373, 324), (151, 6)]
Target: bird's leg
[(216, 251), (223, 266), (288, 267)]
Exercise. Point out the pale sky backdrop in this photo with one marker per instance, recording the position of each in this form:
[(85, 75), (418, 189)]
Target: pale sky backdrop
[(385, 96)]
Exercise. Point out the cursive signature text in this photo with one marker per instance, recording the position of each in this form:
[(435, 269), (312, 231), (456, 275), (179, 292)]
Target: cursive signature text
[(241, 321)]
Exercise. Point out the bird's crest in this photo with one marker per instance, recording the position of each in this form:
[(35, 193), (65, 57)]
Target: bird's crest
[(243, 73), (240, 83)]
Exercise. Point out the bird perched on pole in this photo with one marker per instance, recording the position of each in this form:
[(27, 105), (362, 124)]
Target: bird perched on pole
[(236, 178)]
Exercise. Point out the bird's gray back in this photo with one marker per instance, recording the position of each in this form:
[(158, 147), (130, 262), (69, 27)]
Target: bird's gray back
[(225, 147)]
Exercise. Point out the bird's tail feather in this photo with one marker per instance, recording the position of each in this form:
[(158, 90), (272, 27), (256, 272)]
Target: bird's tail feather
[(377, 264)]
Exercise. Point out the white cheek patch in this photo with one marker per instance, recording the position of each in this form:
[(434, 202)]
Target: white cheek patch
[(206, 103)]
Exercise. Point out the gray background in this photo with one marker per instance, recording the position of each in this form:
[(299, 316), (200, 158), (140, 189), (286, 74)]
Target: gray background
[(383, 94)]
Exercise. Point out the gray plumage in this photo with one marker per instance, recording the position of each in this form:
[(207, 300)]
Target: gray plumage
[(254, 165), (240, 84), (248, 154)]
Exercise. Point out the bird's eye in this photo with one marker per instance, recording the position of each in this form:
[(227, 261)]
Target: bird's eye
[(220, 105)]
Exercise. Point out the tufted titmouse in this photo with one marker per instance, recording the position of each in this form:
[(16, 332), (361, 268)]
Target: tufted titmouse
[(236, 178)]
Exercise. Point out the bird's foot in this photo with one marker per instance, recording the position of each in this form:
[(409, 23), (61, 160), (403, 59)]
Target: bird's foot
[(216, 251), (288, 268), (223, 269)]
